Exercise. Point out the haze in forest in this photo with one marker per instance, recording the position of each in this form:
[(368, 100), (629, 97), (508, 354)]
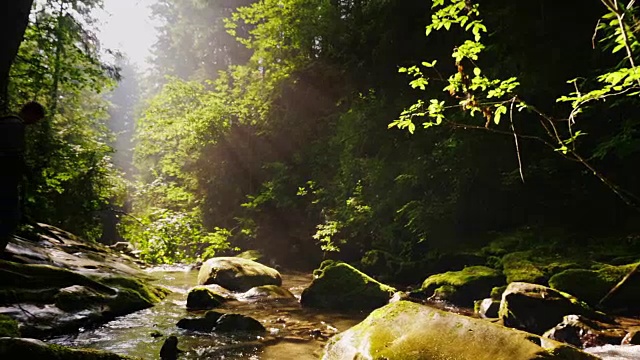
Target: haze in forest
[(127, 26)]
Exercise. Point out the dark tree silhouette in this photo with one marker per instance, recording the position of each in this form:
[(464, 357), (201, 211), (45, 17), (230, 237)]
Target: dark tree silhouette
[(14, 17)]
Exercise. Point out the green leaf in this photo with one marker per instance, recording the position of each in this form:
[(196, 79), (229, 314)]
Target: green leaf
[(501, 109)]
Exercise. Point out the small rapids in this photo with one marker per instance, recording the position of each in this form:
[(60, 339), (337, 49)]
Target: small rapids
[(293, 332)]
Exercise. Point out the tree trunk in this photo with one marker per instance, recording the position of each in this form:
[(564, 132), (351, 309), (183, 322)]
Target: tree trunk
[(14, 18)]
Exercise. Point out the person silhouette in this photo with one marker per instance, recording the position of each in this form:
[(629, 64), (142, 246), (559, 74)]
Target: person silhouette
[(12, 166)]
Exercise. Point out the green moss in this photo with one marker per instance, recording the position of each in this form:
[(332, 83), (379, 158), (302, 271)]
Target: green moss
[(517, 266), (591, 286), (8, 327), (150, 293), (464, 286), (404, 330), (339, 285)]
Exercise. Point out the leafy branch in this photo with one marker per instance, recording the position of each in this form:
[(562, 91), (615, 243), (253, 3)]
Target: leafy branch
[(492, 98)]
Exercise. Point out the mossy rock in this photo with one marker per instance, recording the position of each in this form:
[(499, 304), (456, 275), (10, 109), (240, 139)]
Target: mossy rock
[(408, 331), (203, 298), (237, 274), (238, 322), (537, 308), (78, 297), (591, 286), (31, 277), (132, 295), (8, 327), (338, 285), (517, 267), (18, 348), (464, 286)]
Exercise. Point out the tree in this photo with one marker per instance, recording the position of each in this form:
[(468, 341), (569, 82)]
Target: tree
[(14, 17)]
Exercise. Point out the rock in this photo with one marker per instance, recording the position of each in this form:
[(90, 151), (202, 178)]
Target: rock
[(536, 308), (237, 322), (632, 338), (582, 332), (215, 321), (340, 286), (268, 292), (169, 350), (591, 286), (21, 348), (203, 324), (487, 308), (56, 287), (59, 300), (237, 274), (462, 287), (78, 297), (517, 267), (202, 298), (405, 330)]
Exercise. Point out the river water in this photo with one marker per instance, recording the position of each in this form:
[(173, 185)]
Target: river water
[(293, 332)]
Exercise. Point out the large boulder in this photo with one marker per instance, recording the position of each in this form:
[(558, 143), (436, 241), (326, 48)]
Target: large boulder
[(406, 330), (77, 300), (237, 274), (19, 348), (340, 286), (591, 286), (53, 283), (462, 287), (536, 308)]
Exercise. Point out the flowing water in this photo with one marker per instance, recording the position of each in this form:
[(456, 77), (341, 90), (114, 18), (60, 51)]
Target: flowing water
[(293, 332)]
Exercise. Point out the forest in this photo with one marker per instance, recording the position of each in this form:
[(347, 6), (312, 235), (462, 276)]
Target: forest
[(405, 138), (302, 128)]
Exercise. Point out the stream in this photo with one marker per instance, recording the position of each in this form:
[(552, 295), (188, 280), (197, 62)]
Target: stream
[(293, 332)]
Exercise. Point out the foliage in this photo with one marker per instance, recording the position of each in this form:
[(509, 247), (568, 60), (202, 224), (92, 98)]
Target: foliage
[(491, 98), (70, 178), (167, 236)]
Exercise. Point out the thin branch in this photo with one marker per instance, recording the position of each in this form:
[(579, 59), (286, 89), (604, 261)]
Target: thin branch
[(515, 139)]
